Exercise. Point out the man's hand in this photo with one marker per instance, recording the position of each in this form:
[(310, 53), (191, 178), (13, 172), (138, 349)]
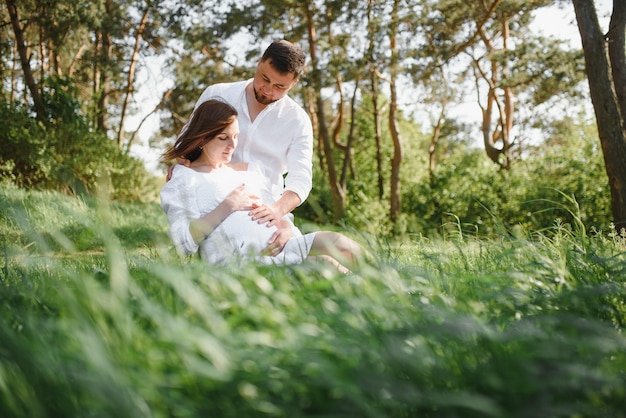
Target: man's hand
[(277, 242), (266, 214), (182, 161)]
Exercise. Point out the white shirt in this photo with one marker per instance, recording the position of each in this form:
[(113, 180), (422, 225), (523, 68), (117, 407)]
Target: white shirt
[(280, 139)]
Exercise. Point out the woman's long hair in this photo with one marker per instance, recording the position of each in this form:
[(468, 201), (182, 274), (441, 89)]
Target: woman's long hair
[(208, 120)]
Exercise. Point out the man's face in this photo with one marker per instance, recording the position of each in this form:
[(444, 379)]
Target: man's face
[(269, 85)]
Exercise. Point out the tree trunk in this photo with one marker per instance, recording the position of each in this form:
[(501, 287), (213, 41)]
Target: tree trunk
[(102, 64), (324, 135), (434, 140), (616, 38), (96, 72), (501, 133), (393, 114), (508, 113), (43, 55), (131, 76), (348, 149), (77, 56), (378, 135), (103, 82), (489, 142), (13, 74), (40, 109), (603, 91), (445, 95), (372, 29)]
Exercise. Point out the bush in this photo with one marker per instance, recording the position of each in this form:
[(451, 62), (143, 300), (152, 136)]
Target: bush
[(65, 154), (556, 182)]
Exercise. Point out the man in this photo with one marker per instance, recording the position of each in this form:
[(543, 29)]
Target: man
[(274, 129)]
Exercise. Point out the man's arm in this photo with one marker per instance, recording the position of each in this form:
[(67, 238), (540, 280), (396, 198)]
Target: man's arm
[(299, 178), (288, 202)]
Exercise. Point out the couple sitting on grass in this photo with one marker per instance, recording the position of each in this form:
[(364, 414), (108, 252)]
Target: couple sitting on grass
[(209, 201)]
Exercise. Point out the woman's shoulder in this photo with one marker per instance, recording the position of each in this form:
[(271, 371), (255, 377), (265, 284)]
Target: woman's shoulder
[(181, 172), (181, 176)]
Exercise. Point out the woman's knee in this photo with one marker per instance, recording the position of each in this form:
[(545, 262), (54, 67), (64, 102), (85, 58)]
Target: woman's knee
[(327, 240), (330, 241)]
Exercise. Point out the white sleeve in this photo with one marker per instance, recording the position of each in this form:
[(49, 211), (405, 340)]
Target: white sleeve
[(179, 204), (299, 177)]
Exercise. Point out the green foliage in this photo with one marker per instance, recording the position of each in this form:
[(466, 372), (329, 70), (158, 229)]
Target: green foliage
[(512, 327), (366, 209), (66, 154), (559, 180), (479, 197)]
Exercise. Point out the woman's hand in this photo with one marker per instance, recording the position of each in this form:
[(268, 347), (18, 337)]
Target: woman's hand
[(277, 242), (239, 199)]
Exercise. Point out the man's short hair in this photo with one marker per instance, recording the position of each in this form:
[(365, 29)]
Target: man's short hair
[(286, 57)]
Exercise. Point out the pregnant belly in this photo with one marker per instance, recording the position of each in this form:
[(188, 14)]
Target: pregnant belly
[(244, 235)]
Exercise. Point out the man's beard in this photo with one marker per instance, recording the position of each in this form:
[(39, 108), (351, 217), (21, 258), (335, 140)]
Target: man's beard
[(262, 99)]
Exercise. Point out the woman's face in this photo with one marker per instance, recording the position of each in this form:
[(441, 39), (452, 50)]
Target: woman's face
[(220, 149)]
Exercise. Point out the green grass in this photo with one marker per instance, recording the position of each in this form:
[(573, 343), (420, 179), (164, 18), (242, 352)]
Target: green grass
[(100, 318)]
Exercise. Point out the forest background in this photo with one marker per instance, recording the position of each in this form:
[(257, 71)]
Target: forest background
[(382, 80)]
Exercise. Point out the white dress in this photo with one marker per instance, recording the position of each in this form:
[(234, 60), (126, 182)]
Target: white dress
[(189, 195)]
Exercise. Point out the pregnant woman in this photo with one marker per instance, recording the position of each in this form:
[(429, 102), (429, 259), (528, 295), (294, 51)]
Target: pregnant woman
[(207, 203)]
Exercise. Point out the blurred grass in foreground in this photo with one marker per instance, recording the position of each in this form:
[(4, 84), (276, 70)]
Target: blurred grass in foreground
[(100, 318)]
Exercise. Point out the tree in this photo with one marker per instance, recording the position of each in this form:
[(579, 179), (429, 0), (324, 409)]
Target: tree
[(22, 48), (491, 42), (605, 64), (86, 42), (396, 162), (338, 195), (130, 79), (373, 33), (58, 45)]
